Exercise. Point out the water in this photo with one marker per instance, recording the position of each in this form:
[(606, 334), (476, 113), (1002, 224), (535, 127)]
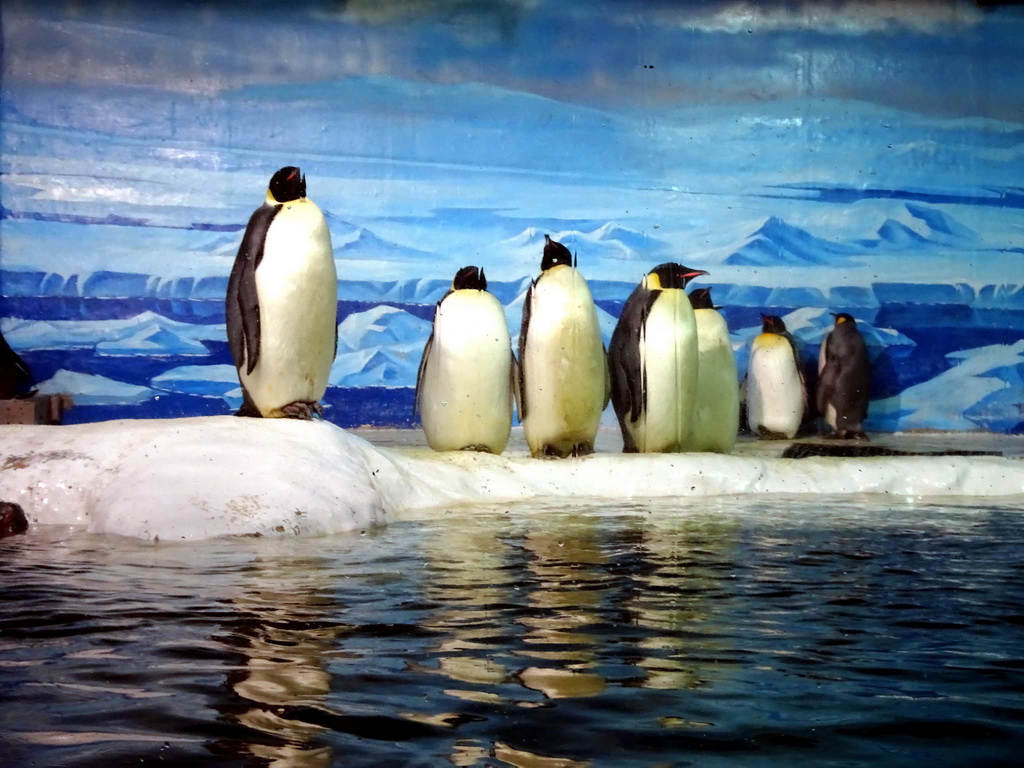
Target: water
[(711, 633)]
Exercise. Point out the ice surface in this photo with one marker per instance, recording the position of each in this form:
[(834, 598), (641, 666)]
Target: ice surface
[(186, 479)]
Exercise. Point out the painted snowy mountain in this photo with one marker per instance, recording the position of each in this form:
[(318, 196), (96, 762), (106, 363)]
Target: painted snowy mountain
[(145, 334), (779, 243), (379, 347), (912, 227), (984, 389), (926, 227)]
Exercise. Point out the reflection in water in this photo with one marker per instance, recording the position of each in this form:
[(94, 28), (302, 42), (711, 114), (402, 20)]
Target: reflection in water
[(285, 637), (657, 634)]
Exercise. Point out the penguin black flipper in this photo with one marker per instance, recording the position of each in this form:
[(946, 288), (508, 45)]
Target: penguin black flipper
[(514, 378), (524, 331), (799, 368), (628, 388), (421, 373), (243, 304), (15, 376)]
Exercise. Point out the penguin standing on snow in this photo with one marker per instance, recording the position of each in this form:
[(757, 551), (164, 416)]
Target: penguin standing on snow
[(652, 361), (563, 375), (844, 379), (464, 388), (718, 391), (282, 304), (776, 397)]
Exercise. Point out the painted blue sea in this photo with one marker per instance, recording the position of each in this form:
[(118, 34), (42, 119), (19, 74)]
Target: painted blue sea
[(952, 361)]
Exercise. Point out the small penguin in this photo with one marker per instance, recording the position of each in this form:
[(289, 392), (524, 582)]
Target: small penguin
[(563, 374), (718, 391), (776, 397), (282, 304), (15, 376), (652, 361), (464, 388), (844, 379)]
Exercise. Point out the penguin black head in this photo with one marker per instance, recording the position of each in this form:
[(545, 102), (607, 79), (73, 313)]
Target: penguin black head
[(288, 184), (469, 278), (842, 317), (554, 254), (671, 275), (701, 299), (772, 324)]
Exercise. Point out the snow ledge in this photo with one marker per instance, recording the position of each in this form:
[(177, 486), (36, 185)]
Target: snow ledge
[(196, 478)]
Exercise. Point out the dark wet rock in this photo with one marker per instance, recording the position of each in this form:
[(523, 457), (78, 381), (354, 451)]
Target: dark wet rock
[(861, 451), (12, 519)]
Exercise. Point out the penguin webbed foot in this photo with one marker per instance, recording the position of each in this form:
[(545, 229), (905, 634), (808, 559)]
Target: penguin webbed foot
[(303, 410), (581, 449), (768, 434), (248, 410), (848, 434), (476, 448)]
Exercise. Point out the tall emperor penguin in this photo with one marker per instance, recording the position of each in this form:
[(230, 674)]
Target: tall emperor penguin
[(282, 304), (464, 388), (718, 391), (652, 359), (563, 375)]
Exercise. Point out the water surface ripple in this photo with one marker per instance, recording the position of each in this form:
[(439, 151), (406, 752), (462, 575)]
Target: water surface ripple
[(713, 632)]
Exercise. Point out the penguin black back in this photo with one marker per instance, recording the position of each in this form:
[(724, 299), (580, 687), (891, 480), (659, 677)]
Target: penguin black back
[(845, 382)]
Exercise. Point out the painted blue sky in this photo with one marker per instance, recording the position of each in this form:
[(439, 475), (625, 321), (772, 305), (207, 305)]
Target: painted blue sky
[(442, 133)]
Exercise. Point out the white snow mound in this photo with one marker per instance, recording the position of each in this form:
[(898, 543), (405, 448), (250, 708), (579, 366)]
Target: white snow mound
[(195, 478)]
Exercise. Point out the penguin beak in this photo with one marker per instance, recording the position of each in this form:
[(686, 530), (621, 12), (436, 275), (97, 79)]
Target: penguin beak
[(694, 273)]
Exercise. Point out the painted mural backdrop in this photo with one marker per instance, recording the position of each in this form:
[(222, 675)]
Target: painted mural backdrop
[(858, 157)]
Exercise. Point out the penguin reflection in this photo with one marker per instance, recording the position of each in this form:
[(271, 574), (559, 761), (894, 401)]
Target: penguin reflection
[(464, 387), (844, 379), (282, 304), (563, 376)]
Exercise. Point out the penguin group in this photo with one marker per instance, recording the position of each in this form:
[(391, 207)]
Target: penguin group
[(669, 371)]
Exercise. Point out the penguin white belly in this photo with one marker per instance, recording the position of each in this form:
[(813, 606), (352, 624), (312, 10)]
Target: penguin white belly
[(668, 355), (717, 413), (775, 397), (465, 395), (297, 288), (564, 364)]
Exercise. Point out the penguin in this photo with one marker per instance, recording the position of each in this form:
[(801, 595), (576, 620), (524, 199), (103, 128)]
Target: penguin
[(563, 373), (464, 388), (282, 304), (776, 397), (844, 379), (652, 360), (15, 376), (718, 391)]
